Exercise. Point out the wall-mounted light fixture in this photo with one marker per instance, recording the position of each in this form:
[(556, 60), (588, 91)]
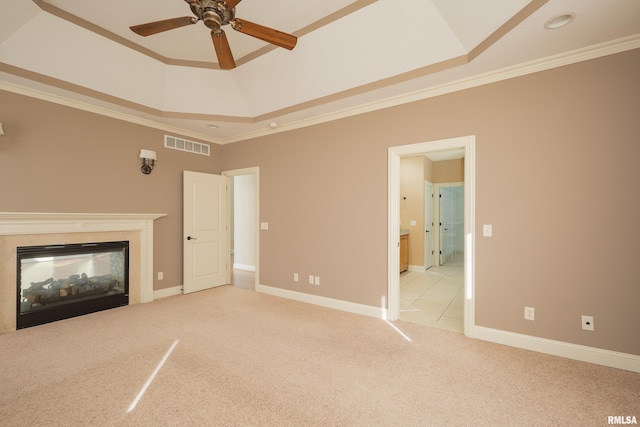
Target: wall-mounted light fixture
[(148, 161), (1, 130)]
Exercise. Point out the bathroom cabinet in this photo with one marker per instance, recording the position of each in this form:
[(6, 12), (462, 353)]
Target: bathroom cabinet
[(404, 252)]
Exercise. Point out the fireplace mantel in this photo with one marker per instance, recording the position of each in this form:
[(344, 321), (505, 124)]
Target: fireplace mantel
[(29, 224), (43, 222)]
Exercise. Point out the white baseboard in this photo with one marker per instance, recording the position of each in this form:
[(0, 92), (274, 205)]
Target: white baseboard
[(244, 267), (351, 307), (613, 359), (418, 268), (167, 292)]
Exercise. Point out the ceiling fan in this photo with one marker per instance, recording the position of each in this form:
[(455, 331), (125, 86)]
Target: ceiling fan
[(215, 14)]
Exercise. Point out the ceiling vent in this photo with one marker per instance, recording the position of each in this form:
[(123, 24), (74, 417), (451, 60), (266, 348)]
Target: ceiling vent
[(185, 145)]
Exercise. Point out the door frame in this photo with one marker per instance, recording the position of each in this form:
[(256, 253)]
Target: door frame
[(392, 311), (251, 171)]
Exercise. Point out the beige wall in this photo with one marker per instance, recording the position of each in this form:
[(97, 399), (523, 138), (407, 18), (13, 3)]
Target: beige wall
[(556, 175), (58, 159), (412, 177), (448, 171)]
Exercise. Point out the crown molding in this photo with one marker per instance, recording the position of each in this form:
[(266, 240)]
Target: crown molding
[(567, 58), (560, 60)]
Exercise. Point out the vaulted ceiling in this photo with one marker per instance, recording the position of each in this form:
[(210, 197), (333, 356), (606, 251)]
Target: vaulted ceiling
[(350, 57)]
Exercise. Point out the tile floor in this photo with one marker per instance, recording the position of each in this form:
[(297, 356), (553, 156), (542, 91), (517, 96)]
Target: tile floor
[(434, 297), (242, 278)]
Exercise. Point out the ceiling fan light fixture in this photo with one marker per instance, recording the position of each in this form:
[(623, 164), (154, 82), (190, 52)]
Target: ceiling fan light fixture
[(215, 14), (559, 21), (211, 19)]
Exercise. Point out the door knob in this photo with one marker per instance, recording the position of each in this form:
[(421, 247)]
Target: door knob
[(191, 238)]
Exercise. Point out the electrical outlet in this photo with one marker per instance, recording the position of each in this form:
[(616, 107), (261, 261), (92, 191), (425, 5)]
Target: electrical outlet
[(160, 275), (295, 277), (530, 313), (311, 279), (587, 323), (487, 230), (316, 280)]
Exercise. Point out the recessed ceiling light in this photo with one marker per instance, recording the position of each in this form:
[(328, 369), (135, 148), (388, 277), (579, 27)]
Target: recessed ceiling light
[(212, 126), (559, 21)]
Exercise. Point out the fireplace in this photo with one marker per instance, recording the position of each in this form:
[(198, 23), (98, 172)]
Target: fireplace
[(19, 229), (57, 282)]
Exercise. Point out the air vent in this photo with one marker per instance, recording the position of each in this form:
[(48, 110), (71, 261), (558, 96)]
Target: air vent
[(185, 145)]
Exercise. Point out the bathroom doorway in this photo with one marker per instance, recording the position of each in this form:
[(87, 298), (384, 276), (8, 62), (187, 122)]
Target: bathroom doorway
[(467, 145)]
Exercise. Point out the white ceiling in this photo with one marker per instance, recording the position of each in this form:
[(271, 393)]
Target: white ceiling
[(351, 56)]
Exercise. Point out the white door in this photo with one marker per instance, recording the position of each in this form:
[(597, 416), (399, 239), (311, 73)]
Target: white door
[(428, 224), (447, 235), (205, 227)]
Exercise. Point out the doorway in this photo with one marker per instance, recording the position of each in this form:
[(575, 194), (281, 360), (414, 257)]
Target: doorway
[(463, 143), (243, 233)]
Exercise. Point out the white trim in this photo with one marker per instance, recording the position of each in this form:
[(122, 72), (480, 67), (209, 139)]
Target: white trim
[(351, 307), (393, 292), (252, 171), (582, 353), (67, 101), (167, 292), (14, 223), (567, 58), (547, 63), (613, 359)]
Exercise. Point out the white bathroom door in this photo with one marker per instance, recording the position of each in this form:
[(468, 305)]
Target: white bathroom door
[(428, 225), (446, 224), (206, 256)]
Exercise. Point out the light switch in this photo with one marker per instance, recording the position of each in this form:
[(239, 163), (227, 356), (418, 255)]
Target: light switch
[(487, 230), (264, 226), (413, 222)]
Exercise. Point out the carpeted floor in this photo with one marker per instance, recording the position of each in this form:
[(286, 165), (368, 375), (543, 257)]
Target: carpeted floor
[(237, 357)]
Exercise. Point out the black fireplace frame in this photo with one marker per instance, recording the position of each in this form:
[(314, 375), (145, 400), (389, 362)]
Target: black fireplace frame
[(73, 308)]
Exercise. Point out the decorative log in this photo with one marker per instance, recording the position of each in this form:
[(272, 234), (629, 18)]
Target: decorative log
[(38, 285), (42, 295), (74, 286)]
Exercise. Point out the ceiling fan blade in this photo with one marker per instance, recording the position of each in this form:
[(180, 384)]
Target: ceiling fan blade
[(232, 3), (151, 28), (267, 34), (223, 51)]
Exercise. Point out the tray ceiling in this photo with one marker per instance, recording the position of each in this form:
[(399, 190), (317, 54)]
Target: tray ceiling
[(351, 56)]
